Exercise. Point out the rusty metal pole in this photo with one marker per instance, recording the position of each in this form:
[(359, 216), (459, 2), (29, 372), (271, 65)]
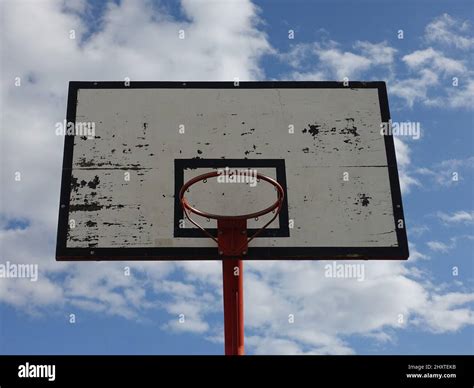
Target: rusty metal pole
[(232, 236)]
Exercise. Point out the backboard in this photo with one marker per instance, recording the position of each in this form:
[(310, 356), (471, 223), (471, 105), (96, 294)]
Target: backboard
[(134, 145)]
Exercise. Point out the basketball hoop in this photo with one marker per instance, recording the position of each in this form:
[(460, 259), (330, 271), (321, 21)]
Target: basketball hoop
[(232, 242), (188, 208)]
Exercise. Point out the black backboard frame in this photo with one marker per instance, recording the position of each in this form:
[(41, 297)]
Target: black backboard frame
[(64, 253)]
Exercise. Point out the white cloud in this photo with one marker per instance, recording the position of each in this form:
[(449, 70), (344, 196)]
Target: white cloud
[(435, 60), (447, 312), (404, 161), (189, 305), (208, 272), (450, 32), (415, 89), (415, 254), (319, 61), (419, 230), (187, 317), (308, 76), (458, 163), (447, 173), (463, 96), (28, 247), (461, 216), (377, 53), (439, 246), (343, 63), (274, 346), (431, 82), (327, 312), (426, 87)]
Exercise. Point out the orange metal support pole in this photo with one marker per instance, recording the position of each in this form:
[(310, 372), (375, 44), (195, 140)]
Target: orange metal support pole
[(232, 235)]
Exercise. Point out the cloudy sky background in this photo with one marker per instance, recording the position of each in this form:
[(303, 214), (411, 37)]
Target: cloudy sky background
[(414, 307)]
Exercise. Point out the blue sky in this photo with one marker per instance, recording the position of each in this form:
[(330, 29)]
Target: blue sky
[(138, 314)]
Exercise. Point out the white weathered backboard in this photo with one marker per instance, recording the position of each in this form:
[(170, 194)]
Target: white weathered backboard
[(321, 140)]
